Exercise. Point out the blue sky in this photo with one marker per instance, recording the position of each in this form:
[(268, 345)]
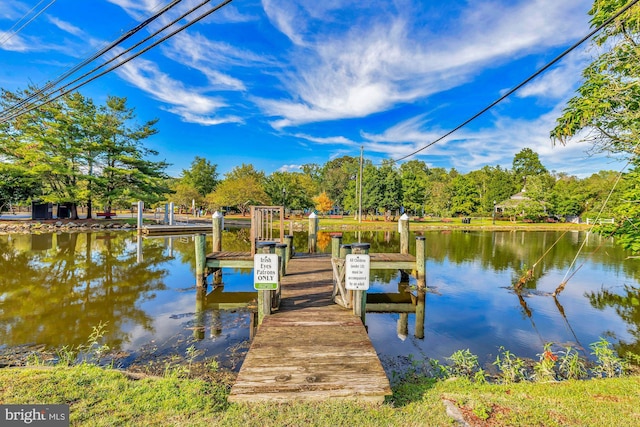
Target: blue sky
[(282, 83)]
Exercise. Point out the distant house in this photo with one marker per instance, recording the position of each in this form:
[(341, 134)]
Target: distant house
[(514, 202), (511, 202)]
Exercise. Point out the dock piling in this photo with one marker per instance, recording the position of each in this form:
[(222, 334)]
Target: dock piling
[(403, 229), (201, 260), (217, 222), (313, 232), (421, 268)]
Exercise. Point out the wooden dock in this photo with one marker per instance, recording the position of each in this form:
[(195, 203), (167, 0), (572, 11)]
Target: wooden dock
[(311, 348)]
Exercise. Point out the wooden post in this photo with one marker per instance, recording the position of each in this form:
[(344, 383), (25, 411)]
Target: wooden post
[(360, 297), (281, 250), (403, 229), (402, 327), (421, 268), (217, 221), (288, 239), (336, 241), (201, 302), (140, 212), (344, 251), (201, 260), (313, 232), (265, 297), (139, 255), (420, 312)]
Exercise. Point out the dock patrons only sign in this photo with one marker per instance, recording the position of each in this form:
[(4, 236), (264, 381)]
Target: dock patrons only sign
[(356, 275), (265, 272)]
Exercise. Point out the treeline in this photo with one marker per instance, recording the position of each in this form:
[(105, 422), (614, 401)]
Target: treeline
[(76, 153), (412, 187), (71, 151)]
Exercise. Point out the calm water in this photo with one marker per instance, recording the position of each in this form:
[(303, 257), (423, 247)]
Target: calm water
[(54, 288)]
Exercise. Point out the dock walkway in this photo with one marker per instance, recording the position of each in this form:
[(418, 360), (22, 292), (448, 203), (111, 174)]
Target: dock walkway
[(311, 348)]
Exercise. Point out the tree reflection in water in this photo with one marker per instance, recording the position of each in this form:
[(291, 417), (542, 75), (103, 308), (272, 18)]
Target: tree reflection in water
[(56, 287)]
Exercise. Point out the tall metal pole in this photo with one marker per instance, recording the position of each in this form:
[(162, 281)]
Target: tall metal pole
[(360, 185)]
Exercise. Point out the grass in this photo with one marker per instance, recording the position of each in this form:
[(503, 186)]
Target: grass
[(106, 397)]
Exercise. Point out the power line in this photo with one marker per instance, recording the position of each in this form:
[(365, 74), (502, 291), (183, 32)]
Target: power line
[(524, 82), (11, 111), (64, 92), (13, 32)]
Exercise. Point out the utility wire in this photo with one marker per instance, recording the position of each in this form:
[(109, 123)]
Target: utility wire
[(13, 32), (199, 18), (11, 111), (524, 82)]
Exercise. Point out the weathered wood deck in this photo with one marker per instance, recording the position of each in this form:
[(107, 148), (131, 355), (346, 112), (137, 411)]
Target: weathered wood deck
[(311, 348)]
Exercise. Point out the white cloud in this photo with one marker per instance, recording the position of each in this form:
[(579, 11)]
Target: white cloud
[(558, 82), (13, 42), (65, 26), (373, 65), (210, 57), (191, 105), (339, 140), (290, 168), (137, 9)]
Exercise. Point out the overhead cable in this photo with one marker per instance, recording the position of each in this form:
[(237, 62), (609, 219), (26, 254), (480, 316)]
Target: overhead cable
[(524, 82), (9, 34), (163, 39), (11, 111)]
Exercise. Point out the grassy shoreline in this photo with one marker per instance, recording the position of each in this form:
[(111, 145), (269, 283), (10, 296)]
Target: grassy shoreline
[(106, 397)]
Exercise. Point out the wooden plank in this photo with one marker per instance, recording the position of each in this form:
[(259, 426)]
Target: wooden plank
[(311, 349), (230, 259)]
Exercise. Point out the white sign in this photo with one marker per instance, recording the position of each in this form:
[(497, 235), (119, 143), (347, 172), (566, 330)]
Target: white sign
[(265, 272), (356, 276)]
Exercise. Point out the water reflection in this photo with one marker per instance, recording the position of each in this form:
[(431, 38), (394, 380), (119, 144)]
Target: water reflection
[(55, 287)]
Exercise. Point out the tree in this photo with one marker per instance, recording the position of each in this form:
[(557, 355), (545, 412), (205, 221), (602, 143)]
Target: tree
[(126, 173), (607, 104), (391, 195), (527, 163), (77, 152), (606, 108), (241, 188), (185, 194), (413, 176), (292, 189), (465, 197), (202, 175), (336, 176), (323, 203)]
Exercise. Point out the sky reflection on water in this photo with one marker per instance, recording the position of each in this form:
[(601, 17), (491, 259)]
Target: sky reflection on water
[(55, 288)]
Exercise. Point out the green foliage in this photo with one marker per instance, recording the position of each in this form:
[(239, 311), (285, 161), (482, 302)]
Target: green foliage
[(78, 152), (607, 364), (463, 363), (202, 175), (527, 164), (571, 366), (241, 188), (545, 368), (512, 368)]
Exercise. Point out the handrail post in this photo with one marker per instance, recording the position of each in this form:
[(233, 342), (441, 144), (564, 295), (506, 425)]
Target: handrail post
[(360, 297), (265, 296)]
